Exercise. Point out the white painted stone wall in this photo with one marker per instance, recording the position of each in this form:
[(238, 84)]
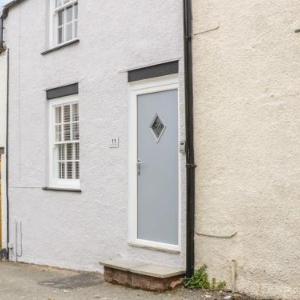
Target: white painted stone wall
[(79, 230), (247, 124)]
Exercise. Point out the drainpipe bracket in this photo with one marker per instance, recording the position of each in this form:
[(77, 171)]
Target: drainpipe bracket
[(192, 166)]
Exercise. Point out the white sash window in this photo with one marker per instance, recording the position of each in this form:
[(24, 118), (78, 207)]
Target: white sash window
[(64, 143), (64, 21)]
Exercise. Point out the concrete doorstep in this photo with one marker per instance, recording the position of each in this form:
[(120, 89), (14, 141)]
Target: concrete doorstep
[(141, 275)]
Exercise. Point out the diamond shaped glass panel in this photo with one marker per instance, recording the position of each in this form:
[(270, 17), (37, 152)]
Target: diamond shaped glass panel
[(157, 127)]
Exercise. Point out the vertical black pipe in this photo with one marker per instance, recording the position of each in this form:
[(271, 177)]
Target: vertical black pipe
[(190, 159), (1, 34), (7, 152)]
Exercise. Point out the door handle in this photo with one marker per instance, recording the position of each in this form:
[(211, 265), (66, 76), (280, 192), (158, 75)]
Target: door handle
[(138, 167)]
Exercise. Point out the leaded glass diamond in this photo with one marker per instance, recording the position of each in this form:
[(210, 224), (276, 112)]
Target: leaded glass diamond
[(157, 127)]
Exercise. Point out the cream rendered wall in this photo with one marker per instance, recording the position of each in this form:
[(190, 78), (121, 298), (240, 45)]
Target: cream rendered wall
[(247, 125)]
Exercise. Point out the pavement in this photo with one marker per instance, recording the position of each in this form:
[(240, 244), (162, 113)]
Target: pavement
[(30, 282)]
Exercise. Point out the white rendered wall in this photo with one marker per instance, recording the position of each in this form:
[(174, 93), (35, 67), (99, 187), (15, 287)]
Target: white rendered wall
[(3, 99), (79, 230)]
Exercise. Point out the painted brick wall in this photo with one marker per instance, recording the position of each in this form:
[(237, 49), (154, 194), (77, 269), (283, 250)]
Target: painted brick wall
[(247, 87)]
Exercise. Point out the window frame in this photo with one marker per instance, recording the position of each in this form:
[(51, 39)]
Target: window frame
[(54, 181), (53, 23)]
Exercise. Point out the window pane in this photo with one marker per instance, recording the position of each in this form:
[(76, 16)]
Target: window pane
[(67, 113), (60, 172), (60, 18), (58, 133), (75, 115), (58, 115), (63, 170), (69, 11), (69, 30), (69, 151), (60, 36), (75, 29), (67, 132), (77, 151), (69, 170), (61, 152), (76, 11), (77, 170), (75, 131)]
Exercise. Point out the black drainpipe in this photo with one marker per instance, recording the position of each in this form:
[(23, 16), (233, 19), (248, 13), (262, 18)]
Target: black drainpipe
[(1, 34), (5, 252), (190, 159)]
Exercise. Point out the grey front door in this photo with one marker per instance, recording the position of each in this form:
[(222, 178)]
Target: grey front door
[(157, 167)]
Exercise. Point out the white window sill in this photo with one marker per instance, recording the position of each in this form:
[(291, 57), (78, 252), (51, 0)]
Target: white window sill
[(61, 189), (60, 46)]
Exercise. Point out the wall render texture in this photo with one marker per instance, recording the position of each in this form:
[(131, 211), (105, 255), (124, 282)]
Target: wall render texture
[(247, 95), (3, 61), (79, 230)]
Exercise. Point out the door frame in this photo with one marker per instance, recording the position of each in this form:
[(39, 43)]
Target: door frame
[(148, 86)]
